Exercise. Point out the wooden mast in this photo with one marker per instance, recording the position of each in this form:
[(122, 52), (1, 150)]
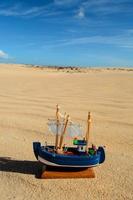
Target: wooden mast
[(88, 131), (57, 134), (63, 133)]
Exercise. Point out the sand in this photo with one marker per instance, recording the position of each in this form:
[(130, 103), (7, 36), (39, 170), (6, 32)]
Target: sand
[(28, 97)]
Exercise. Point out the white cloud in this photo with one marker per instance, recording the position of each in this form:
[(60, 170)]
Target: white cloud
[(107, 7), (98, 7), (3, 55), (121, 41), (19, 11), (81, 13), (128, 46), (65, 2), (129, 31)]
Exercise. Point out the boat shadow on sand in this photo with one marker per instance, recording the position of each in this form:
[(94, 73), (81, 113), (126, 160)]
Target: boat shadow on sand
[(8, 164), (35, 168)]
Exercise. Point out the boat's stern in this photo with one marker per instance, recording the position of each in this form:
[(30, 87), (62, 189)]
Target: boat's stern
[(36, 147), (102, 154)]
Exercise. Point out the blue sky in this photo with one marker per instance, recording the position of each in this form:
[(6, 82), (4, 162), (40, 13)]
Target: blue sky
[(67, 32)]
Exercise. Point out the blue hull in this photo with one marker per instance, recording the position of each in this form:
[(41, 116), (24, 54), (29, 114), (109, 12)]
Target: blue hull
[(51, 158)]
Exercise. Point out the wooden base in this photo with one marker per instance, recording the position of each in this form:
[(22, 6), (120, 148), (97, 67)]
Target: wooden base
[(61, 173)]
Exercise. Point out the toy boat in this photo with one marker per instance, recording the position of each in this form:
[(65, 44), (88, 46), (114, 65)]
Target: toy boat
[(80, 155)]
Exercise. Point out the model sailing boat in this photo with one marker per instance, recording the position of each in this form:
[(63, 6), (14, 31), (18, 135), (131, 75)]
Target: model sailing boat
[(80, 155)]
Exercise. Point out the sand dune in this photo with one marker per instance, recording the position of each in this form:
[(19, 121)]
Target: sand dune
[(27, 99)]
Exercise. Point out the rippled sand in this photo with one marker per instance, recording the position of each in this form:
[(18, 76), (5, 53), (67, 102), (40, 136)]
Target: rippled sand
[(27, 99)]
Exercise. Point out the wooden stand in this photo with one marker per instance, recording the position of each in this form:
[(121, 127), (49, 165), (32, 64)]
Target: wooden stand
[(58, 173)]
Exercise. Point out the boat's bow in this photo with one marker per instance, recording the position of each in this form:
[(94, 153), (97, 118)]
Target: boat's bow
[(36, 147)]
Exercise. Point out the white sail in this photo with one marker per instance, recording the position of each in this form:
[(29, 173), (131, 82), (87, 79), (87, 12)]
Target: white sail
[(52, 125), (72, 130)]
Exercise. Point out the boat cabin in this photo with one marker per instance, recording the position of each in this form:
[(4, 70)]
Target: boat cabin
[(81, 144)]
